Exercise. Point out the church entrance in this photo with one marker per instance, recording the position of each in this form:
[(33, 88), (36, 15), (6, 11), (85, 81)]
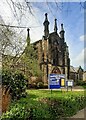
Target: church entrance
[(56, 70)]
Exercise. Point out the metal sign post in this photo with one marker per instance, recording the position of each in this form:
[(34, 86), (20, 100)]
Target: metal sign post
[(69, 83)]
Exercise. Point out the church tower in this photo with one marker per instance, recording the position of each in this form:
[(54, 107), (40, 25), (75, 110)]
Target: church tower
[(53, 51)]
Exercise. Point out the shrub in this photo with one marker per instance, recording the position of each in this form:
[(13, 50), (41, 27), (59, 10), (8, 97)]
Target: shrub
[(15, 82), (81, 83), (40, 85), (33, 86), (47, 108), (16, 113), (45, 86), (62, 108), (24, 111)]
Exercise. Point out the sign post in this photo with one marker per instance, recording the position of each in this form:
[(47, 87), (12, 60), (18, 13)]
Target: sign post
[(69, 83)]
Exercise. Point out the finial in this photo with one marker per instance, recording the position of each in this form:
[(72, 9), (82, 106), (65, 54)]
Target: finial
[(55, 26), (46, 26), (28, 32), (55, 19), (62, 27), (46, 16), (62, 32)]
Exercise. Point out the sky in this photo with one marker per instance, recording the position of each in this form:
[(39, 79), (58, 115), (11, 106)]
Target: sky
[(71, 14)]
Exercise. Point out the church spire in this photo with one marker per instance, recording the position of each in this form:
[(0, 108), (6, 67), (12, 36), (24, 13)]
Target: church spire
[(28, 37), (62, 29), (46, 26), (55, 26), (62, 32)]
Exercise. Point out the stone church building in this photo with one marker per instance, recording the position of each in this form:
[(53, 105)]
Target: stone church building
[(53, 54)]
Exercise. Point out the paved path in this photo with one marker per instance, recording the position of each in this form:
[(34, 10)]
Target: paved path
[(80, 114), (76, 88)]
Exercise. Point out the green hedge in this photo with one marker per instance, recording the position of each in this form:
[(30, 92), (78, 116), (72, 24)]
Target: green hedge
[(81, 83), (45, 108), (16, 113), (66, 107)]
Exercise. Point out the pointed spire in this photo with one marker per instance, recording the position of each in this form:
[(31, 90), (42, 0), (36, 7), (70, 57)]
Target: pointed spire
[(28, 37), (62, 32), (46, 26), (62, 29), (46, 19), (55, 26)]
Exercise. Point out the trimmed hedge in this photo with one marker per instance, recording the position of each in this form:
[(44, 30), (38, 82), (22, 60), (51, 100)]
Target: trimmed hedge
[(63, 108), (45, 108)]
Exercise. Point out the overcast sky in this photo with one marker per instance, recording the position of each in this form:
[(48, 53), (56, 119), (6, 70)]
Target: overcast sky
[(71, 14)]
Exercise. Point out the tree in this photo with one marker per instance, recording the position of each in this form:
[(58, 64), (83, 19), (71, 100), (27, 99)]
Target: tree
[(29, 58)]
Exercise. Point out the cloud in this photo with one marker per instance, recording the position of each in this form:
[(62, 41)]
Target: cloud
[(36, 27), (26, 19), (83, 38), (80, 60)]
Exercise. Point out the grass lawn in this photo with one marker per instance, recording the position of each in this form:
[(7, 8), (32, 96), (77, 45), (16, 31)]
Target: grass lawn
[(55, 93), (41, 104)]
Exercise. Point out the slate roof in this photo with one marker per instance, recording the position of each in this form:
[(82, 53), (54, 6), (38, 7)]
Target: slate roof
[(74, 69)]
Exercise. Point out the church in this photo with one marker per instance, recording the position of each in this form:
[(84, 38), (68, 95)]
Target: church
[(53, 54)]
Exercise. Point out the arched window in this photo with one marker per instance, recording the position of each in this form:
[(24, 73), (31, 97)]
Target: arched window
[(56, 70)]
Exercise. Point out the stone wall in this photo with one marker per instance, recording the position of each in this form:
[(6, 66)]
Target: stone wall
[(84, 76)]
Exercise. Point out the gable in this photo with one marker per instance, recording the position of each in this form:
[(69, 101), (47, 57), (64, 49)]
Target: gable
[(53, 37)]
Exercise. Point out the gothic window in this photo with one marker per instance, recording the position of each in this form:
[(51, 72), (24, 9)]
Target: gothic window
[(54, 61), (43, 57), (49, 41), (56, 70)]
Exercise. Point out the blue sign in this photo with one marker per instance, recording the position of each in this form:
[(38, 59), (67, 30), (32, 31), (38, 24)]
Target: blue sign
[(54, 81)]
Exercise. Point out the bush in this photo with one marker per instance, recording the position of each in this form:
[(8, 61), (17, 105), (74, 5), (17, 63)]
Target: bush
[(46, 86), (81, 83), (62, 108), (23, 110), (47, 108), (32, 86), (16, 113), (16, 82), (40, 85)]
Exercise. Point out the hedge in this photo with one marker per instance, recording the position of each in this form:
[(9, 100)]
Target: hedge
[(45, 108)]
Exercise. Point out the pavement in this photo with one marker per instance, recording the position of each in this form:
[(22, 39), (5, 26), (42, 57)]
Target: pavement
[(80, 114), (75, 88), (0, 101)]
